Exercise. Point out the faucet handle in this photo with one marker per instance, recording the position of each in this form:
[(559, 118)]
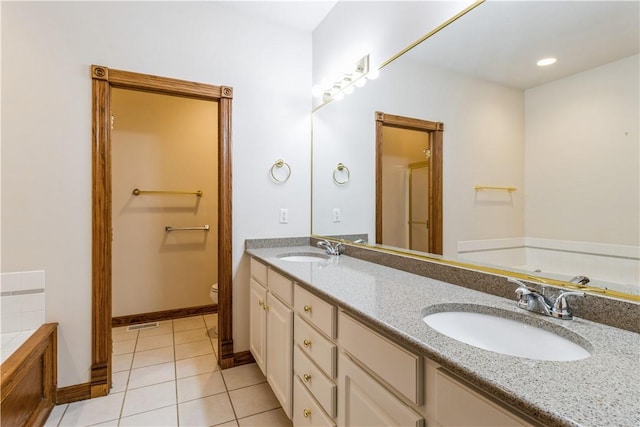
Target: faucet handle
[(561, 307), (522, 288)]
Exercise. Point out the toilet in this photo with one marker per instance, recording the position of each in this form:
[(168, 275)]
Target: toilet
[(213, 293)]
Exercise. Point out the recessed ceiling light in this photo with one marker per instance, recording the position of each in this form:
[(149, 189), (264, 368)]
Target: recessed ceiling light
[(546, 61)]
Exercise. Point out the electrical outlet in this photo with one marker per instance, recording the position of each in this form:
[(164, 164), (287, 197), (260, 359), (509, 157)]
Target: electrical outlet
[(284, 216), (336, 215)]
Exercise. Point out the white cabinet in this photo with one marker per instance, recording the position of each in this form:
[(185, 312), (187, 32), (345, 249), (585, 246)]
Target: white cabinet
[(362, 401), (453, 402), (271, 330), (258, 324)]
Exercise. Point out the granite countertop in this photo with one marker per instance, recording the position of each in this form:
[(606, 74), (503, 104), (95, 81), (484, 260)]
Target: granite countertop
[(601, 390)]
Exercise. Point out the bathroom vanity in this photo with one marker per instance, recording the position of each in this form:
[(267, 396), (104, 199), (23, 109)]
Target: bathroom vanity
[(342, 341)]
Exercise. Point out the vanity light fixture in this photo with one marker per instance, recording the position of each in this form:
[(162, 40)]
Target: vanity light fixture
[(546, 61), (348, 82)]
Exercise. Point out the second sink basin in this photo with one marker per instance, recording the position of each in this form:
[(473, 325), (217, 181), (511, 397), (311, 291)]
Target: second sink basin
[(506, 336), (303, 257)]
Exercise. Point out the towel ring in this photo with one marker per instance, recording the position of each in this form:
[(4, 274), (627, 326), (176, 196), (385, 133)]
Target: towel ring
[(340, 168), (279, 164)]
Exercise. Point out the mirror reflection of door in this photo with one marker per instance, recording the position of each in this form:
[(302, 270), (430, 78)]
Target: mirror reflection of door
[(418, 222), (409, 183)]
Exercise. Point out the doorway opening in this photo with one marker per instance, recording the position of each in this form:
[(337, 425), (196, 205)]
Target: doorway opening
[(103, 81), (409, 183)]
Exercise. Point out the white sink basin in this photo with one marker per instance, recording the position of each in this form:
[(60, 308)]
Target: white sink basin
[(506, 336), (303, 257)]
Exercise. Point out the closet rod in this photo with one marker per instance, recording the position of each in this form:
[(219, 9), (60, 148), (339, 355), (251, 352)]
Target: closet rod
[(137, 192)]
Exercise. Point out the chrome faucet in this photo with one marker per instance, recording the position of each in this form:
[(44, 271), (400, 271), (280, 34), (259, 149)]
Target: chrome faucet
[(336, 248), (580, 280), (531, 300)]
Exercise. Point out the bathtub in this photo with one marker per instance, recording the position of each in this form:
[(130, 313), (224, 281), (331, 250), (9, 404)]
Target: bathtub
[(29, 377)]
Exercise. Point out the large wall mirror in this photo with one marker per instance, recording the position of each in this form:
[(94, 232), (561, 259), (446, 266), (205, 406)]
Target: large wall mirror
[(540, 164)]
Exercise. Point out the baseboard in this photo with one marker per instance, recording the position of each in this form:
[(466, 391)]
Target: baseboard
[(73, 393), (156, 316), (243, 358)]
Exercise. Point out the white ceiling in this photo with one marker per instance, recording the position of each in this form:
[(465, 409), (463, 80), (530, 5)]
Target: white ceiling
[(502, 40), (300, 14)]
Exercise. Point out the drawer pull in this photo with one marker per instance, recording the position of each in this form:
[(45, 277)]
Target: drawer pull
[(307, 309), (307, 343), (260, 302), (306, 413), (266, 307), (306, 378)]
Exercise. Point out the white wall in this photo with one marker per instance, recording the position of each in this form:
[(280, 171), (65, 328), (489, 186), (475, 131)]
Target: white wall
[(47, 49), (379, 28), (583, 156)]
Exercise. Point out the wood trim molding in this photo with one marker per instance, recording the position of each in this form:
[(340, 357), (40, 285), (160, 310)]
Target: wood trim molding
[(73, 393), (157, 316), (435, 131), (103, 79), (243, 358)]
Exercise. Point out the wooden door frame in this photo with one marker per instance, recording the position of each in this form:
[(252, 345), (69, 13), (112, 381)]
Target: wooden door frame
[(435, 131), (103, 79)]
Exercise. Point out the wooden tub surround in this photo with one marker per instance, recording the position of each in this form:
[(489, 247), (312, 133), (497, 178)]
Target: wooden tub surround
[(29, 380)]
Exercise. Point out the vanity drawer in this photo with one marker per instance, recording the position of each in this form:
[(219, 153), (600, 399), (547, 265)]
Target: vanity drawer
[(400, 368), (321, 387), (315, 346), (306, 411), (259, 271), (281, 286), (318, 312)]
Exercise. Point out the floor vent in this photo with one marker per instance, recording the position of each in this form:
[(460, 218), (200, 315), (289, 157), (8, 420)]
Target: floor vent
[(142, 326)]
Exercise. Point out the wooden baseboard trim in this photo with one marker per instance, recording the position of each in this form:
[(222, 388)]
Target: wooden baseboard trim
[(156, 316), (73, 393), (243, 358)]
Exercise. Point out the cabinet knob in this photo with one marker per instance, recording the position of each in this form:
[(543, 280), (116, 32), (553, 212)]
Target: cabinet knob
[(266, 307), (307, 309), (306, 413), (307, 343), (306, 378), (260, 302)]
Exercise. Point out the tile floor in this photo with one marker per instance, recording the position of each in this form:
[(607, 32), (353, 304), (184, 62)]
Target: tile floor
[(169, 376)]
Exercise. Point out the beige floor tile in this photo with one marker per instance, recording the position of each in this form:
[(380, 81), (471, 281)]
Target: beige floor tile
[(121, 334), (253, 400), (154, 341), (233, 423), (243, 376), (121, 362), (153, 374), (208, 411), (93, 411), (119, 381), (273, 418), (148, 398), (191, 335), (211, 319), (193, 349), (163, 417), (124, 347), (152, 357), (196, 365), (199, 386), (195, 322), (56, 415), (163, 328)]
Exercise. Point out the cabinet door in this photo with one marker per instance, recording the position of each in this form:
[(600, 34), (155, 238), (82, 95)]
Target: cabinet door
[(258, 324), (280, 351), (362, 401)]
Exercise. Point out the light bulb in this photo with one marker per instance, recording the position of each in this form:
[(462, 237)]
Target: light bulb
[(317, 91), (373, 74), (360, 82), (546, 61), (339, 96), (348, 90)]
